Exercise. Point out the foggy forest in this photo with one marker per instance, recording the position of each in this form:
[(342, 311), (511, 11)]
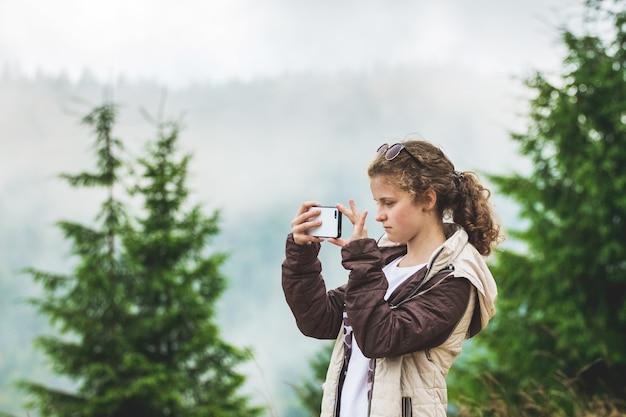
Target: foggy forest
[(259, 150)]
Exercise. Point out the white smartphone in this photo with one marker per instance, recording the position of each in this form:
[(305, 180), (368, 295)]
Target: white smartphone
[(331, 222)]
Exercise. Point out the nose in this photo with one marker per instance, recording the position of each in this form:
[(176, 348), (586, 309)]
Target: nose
[(380, 215)]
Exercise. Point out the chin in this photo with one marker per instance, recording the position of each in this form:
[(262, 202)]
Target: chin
[(396, 241)]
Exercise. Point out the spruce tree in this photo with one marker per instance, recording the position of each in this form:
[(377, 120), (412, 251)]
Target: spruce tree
[(189, 369), (86, 307), (557, 342), (135, 318)]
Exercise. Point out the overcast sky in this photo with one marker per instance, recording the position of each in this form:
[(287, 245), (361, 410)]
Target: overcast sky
[(179, 41)]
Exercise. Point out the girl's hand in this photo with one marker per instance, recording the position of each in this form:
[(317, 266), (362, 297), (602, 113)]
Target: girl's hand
[(301, 223), (357, 220)]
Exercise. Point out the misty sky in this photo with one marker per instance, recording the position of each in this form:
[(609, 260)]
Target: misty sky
[(176, 42)]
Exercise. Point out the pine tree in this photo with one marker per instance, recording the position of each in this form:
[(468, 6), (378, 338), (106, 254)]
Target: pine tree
[(558, 338), (190, 370), (135, 317), (86, 307)]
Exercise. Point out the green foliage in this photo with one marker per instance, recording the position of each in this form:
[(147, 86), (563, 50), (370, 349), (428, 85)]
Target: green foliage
[(309, 391), (136, 317), (561, 323)]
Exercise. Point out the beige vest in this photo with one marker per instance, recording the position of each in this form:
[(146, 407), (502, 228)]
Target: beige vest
[(419, 376)]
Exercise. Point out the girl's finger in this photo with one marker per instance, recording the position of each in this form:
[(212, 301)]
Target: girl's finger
[(306, 206)]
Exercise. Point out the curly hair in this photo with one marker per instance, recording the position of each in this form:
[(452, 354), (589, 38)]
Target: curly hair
[(460, 195)]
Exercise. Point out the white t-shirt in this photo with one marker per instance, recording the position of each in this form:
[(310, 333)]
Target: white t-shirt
[(354, 401)]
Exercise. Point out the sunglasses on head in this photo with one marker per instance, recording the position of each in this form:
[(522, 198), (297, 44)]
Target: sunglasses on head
[(390, 152)]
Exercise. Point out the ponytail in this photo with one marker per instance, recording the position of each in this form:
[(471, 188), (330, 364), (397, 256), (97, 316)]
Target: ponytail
[(474, 212)]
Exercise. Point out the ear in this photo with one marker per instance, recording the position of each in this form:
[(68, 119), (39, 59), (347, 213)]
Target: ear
[(430, 200)]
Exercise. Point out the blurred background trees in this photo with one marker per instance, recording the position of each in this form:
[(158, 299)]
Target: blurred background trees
[(309, 390), (135, 319), (556, 346)]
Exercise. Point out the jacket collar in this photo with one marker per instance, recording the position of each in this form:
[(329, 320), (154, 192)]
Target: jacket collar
[(456, 240), (467, 262)]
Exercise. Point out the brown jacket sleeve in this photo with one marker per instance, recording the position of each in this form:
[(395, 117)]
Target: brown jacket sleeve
[(421, 323), (318, 313)]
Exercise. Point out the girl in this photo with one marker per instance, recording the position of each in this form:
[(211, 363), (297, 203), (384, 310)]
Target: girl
[(411, 299)]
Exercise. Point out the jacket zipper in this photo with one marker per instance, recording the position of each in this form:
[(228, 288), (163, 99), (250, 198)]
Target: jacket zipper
[(448, 268), (338, 389)]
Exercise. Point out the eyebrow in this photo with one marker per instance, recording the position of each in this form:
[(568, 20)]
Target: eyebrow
[(386, 199)]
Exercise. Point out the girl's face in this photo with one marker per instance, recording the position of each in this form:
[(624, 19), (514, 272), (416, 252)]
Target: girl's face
[(400, 216)]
